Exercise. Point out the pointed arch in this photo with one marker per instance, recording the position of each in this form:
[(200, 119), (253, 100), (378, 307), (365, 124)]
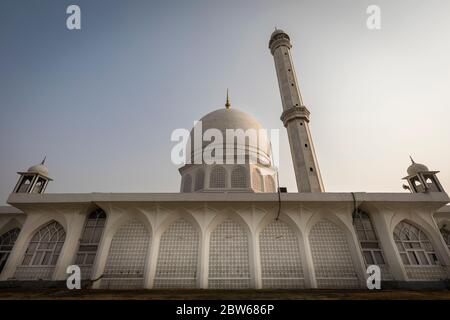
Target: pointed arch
[(229, 259), (333, 264), (178, 254), (417, 252), (125, 265), (218, 177), (199, 179), (413, 245), (187, 183), (281, 263), (239, 177), (369, 243), (90, 239), (368, 239), (42, 253), (7, 241)]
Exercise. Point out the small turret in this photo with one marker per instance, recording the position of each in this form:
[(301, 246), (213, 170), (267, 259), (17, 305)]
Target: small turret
[(421, 179), (34, 180)]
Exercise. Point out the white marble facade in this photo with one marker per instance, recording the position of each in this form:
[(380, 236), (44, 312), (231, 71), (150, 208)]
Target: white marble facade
[(228, 240), (231, 226)]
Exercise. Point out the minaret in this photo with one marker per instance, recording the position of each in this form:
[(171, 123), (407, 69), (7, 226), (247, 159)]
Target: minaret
[(295, 116)]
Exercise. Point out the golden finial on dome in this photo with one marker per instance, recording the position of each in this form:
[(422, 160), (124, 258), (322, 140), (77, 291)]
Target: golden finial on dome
[(227, 103)]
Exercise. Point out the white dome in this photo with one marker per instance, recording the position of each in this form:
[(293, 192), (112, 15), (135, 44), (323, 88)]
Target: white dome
[(223, 119), (416, 168), (40, 169)]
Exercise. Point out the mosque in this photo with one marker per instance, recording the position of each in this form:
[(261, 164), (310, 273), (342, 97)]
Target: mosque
[(231, 226)]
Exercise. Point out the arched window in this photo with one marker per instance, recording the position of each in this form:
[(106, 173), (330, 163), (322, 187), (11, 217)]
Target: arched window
[(217, 178), (367, 238), (177, 257), (25, 184), (331, 256), (127, 255), (229, 265), (413, 245), (42, 253), (39, 185), (446, 235), (7, 241), (199, 180), (257, 181), (187, 183), (270, 184), (92, 233), (239, 177), (281, 265)]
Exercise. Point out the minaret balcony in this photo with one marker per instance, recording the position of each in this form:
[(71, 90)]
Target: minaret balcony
[(295, 113)]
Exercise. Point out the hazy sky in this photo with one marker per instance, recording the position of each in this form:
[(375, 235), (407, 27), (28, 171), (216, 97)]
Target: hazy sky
[(102, 102)]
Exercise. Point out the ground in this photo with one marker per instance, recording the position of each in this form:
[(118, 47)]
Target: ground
[(64, 294)]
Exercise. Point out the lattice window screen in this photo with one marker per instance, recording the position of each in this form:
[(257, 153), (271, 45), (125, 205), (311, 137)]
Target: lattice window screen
[(178, 257), (7, 241), (217, 178), (331, 255), (42, 253), (187, 183), (229, 257), (281, 265), (417, 253), (125, 265), (239, 177), (199, 180)]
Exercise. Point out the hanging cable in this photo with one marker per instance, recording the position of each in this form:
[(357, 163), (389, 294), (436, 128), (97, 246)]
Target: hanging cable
[(279, 195), (278, 185), (355, 207)]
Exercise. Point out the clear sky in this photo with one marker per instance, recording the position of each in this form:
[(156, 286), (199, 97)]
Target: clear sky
[(102, 102)]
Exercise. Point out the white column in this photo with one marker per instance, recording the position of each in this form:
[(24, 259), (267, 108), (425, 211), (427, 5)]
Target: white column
[(103, 249), (256, 261), (75, 225), (204, 260), (358, 260), (151, 262), (20, 246), (389, 247), (307, 263)]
